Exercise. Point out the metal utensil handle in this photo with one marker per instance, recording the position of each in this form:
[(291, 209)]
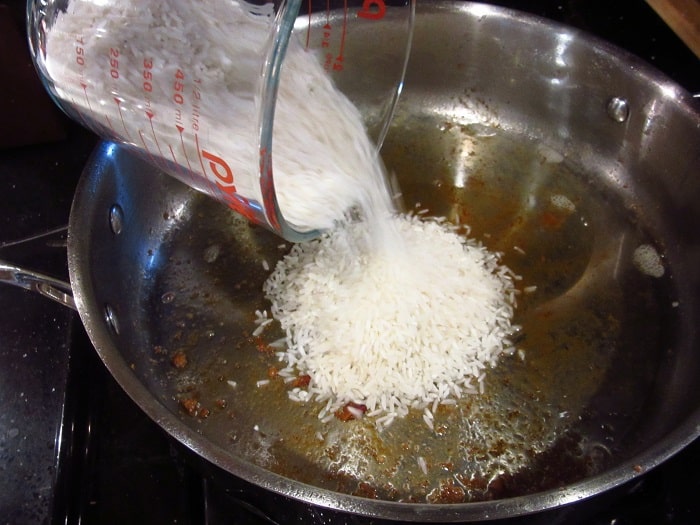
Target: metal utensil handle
[(55, 289)]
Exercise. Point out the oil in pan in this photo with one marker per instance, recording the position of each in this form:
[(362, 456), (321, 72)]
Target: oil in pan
[(554, 412)]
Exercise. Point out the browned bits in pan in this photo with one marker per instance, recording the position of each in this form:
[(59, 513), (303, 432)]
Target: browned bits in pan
[(447, 492), (193, 407), (179, 360), (261, 345), (301, 381), (347, 412), (189, 405), (365, 490)]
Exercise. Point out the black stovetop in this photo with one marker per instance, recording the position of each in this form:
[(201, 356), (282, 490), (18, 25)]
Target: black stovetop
[(73, 447)]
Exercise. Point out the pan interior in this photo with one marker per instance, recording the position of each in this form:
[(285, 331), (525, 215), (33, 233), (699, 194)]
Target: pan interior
[(600, 340), (557, 411)]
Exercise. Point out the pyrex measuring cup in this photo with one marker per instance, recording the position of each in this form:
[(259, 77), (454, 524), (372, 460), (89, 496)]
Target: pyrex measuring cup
[(204, 90)]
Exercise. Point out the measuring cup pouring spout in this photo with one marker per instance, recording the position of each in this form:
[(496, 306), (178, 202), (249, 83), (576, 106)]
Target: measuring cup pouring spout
[(226, 96)]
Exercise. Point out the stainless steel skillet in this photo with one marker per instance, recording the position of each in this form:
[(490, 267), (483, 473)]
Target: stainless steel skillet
[(559, 151)]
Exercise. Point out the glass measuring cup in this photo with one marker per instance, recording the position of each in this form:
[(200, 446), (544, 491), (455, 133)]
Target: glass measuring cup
[(193, 88)]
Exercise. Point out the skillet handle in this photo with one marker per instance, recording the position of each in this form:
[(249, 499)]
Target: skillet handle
[(55, 289)]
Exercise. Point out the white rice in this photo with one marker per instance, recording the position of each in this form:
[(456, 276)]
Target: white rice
[(394, 312), (410, 326), (648, 261), (422, 464), (261, 327), (201, 100), (563, 203)]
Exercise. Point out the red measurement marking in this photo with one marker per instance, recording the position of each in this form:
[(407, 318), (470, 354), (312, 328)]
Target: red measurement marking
[(184, 152), (180, 167), (121, 116), (114, 62), (372, 9), (147, 85), (172, 154), (109, 123), (80, 114), (338, 62), (308, 25), (80, 60), (326, 37), (79, 51), (179, 99), (212, 187), (179, 87), (87, 99), (155, 161), (150, 116), (326, 40), (147, 75), (196, 97)]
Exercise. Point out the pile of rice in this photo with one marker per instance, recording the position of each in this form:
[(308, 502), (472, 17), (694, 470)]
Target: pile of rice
[(390, 329)]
